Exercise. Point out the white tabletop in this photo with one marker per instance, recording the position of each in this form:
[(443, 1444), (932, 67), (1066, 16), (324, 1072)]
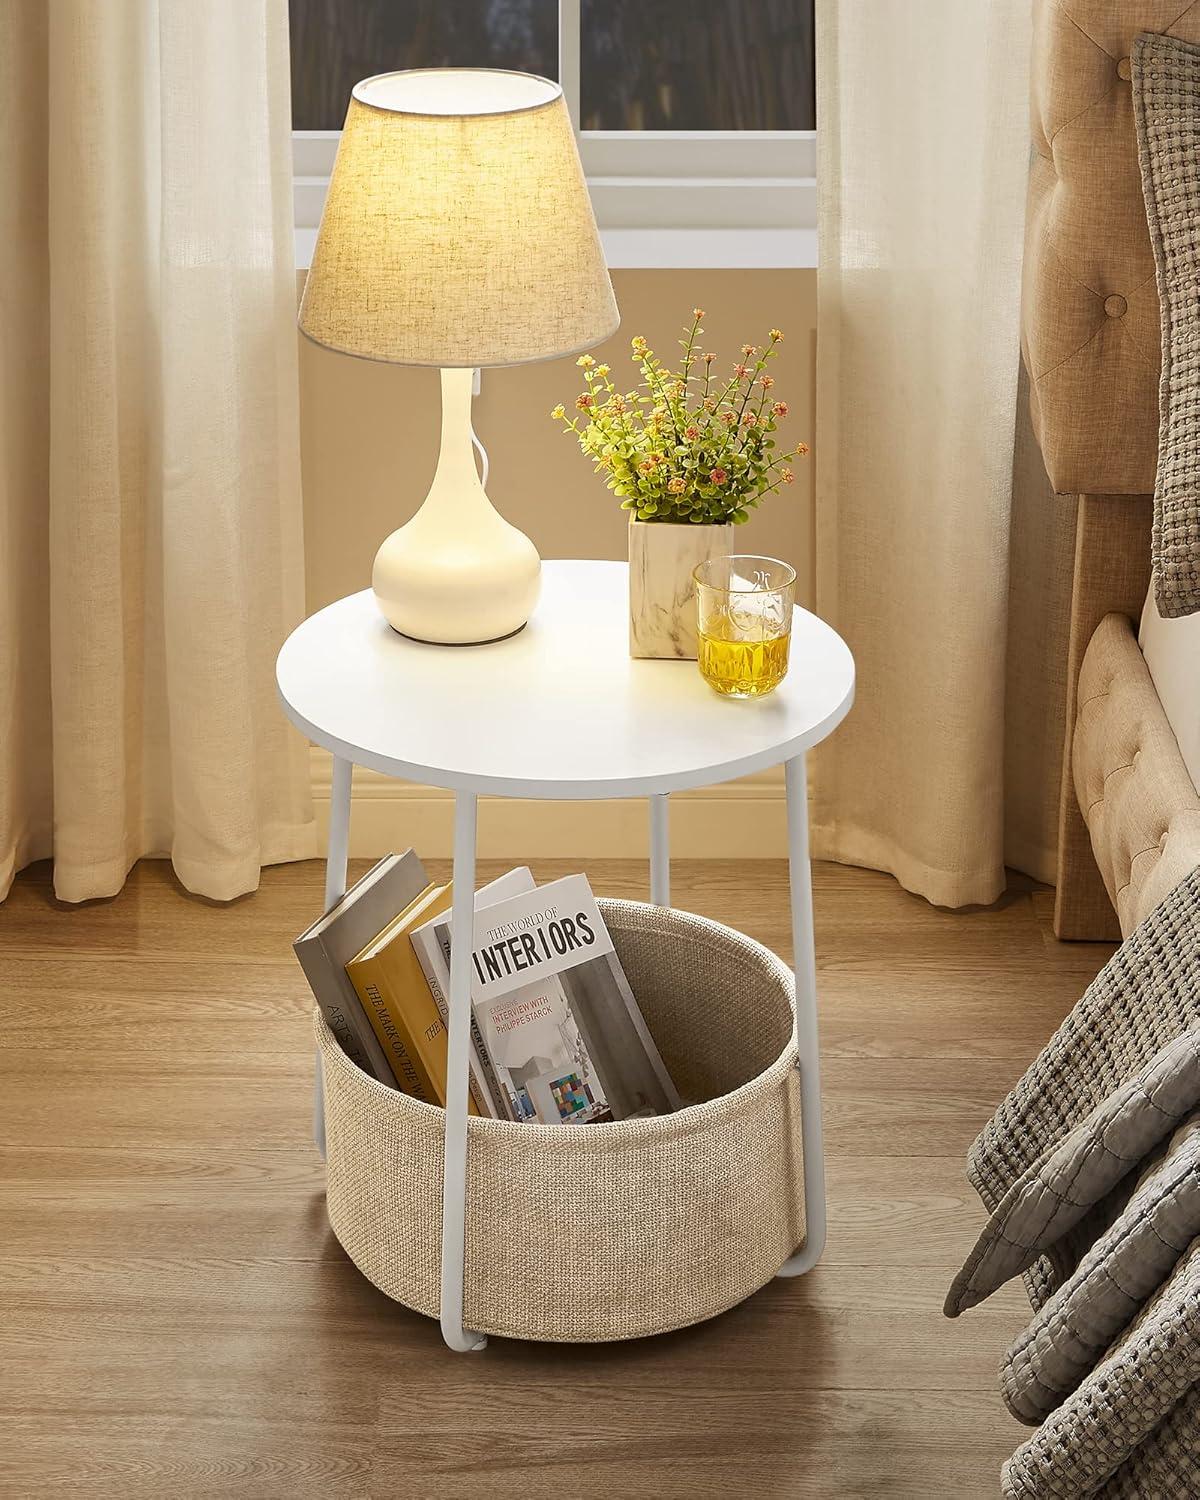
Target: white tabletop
[(558, 710)]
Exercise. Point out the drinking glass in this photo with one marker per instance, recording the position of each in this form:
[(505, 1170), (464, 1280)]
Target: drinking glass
[(744, 620)]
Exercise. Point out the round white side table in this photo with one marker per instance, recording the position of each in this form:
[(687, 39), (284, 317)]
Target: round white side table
[(560, 711)]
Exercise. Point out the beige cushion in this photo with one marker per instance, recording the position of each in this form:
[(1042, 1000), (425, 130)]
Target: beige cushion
[(1090, 320), (1142, 811)]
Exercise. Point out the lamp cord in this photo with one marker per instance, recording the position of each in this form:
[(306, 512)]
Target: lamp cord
[(483, 458), (476, 379)]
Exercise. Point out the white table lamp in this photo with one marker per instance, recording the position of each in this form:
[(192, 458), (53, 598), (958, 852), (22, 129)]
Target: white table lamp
[(457, 232)]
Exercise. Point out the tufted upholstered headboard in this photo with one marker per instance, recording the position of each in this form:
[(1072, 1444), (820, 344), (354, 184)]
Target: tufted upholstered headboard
[(1090, 323), (1091, 341)]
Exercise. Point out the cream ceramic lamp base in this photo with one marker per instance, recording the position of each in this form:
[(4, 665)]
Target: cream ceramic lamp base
[(457, 574)]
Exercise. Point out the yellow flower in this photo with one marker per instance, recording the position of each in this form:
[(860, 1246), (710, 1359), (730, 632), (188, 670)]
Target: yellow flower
[(601, 369), (787, 476), (638, 342), (801, 450), (775, 335), (585, 361), (677, 485), (559, 411), (698, 313)]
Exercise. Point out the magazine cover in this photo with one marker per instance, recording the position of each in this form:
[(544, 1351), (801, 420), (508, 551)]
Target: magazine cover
[(556, 1017), (532, 1038)]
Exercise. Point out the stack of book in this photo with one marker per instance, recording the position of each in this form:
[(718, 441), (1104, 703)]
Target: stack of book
[(556, 1033)]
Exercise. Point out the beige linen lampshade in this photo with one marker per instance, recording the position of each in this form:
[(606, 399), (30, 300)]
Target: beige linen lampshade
[(458, 229)]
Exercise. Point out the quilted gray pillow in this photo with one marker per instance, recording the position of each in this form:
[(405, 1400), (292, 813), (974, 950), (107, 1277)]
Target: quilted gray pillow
[(1166, 105)]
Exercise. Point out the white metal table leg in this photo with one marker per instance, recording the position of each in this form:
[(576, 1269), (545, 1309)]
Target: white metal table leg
[(335, 886), (660, 849), (454, 1161), (807, 1039)]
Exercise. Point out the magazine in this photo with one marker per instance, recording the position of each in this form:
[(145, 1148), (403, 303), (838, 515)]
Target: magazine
[(558, 1026)]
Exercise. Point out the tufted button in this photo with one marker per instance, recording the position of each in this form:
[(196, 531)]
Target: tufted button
[(1124, 70), (1115, 306)]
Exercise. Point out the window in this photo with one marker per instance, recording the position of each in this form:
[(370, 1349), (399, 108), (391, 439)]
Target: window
[(704, 65), (696, 117), (337, 42)]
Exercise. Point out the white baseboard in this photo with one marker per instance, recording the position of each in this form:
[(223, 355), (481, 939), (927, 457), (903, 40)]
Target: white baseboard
[(738, 820)]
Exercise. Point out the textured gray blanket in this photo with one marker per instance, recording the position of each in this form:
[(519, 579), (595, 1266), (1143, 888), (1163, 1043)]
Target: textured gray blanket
[(1115, 1281), (1146, 996), (1091, 1172), (1073, 1177), (1131, 1428)]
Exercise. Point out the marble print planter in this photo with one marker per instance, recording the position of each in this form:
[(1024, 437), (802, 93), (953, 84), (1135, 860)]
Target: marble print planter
[(662, 599)]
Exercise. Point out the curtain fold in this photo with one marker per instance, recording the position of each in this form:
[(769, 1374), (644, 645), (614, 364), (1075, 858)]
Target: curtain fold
[(940, 554), (149, 443)]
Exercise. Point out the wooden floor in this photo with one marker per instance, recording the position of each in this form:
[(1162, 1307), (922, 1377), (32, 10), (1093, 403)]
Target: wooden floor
[(178, 1320)]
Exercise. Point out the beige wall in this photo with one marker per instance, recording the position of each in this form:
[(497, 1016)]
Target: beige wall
[(370, 431)]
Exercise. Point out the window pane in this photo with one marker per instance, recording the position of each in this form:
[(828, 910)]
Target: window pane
[(697, 65), (337, 42)]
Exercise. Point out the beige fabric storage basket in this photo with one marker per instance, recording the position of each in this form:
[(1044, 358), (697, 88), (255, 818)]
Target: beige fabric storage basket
[(596, 1232)]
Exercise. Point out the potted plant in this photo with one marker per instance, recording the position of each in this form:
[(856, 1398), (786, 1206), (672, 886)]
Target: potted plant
[(690, 454)]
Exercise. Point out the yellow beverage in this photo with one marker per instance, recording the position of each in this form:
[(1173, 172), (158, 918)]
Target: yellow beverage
[(743, 669)]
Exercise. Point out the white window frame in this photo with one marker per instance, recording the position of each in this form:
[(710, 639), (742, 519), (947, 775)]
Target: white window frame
[(679, 199)]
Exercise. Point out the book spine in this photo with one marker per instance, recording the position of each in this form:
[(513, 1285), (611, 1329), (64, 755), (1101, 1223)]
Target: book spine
[(428, 953), (388, 1024), (494, 1087), (343, 1011)]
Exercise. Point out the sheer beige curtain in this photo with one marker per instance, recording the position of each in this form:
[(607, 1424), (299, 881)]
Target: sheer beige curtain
[(940, 555), (150, 521)]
